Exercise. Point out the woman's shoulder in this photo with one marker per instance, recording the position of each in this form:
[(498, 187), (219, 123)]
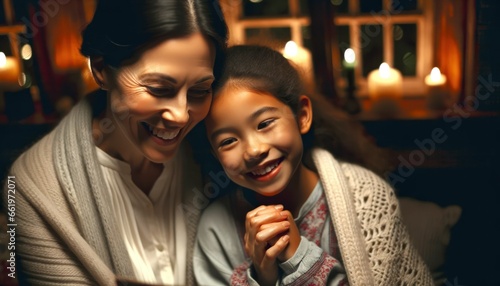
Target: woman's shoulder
[(36, 158)]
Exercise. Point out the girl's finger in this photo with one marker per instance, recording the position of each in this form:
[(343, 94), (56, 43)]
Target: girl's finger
[(272, 252), (271, 231)]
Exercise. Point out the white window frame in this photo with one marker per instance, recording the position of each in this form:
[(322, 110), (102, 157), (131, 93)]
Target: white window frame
[(413, 86)]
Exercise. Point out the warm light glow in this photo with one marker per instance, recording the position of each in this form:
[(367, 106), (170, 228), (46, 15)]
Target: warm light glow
[(22, 79), (385, 82), (3, 60), (385, 70), (291, 50), (26, 52), (435, 78), (255, 1), (435, 74), (349, 56)]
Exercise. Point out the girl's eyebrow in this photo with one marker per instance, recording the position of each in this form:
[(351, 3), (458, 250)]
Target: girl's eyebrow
[(260, 111), (252, 117)]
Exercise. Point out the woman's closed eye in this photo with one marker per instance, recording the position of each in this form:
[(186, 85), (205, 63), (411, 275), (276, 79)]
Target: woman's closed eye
[(266, 123), (200, 93), (159, 91)]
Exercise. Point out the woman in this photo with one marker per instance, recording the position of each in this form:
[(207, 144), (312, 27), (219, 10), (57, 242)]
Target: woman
[(108, 193)]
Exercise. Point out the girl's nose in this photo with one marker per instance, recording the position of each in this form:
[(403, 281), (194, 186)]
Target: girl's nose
[(256, 150)]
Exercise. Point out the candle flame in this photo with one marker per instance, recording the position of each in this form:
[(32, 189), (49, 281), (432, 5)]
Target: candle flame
[(385, 70), (3, 60), (291, 50), (435, 74), (349, 56)]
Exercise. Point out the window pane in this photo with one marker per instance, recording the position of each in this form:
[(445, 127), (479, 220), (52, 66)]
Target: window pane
[(304, 9), (273, 37), (367, 6), (344, 40), (404, 5), (306, 37), (340, 6), (262, 8), (372, 48), (405, 48), (5, 45), (3, 21)]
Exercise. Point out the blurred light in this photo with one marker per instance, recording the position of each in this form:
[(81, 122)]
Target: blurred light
[(435, 74), (349, 56), (385, 70), (337, 2), (255, 1), (398, 32), (26, 52), (3, 60), (291, 50), (22, 79)]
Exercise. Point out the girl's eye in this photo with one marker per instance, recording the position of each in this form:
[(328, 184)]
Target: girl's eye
[(265, 123), (227, 142), (199, 93), (159, 91)]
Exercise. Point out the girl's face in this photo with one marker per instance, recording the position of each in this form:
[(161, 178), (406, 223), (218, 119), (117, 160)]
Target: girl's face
[(159, 98), (257, 138)]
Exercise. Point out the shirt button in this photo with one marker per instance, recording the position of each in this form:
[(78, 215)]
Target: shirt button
[(160, 247)]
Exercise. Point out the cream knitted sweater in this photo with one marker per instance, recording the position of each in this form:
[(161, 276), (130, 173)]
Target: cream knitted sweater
[(369, 227), (65, 233)]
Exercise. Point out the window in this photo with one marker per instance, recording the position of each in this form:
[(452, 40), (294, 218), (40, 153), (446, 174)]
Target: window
[(392, 31)]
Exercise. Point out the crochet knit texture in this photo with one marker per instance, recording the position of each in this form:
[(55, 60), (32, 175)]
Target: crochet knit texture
[(369, 227)]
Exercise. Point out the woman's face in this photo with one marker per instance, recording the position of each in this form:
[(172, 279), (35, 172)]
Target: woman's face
[(159, 98)]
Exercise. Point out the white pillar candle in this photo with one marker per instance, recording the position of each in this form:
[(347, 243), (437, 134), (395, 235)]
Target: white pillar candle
[(385, 82), (9, 73), (437, 95)]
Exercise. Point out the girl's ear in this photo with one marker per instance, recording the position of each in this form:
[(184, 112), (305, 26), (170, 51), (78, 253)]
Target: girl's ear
[(97, 67), (304, 114)]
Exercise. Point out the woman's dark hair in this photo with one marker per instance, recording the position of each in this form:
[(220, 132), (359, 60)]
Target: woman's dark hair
[(122, 29), (262, 69)]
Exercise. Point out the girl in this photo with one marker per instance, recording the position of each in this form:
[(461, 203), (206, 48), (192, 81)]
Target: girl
[(326, 222)]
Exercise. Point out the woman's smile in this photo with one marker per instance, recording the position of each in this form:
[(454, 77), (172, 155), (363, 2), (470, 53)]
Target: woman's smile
[(161, 136)]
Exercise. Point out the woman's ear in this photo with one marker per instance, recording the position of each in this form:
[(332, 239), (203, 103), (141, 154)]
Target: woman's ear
[(304, 114), (97, 67)]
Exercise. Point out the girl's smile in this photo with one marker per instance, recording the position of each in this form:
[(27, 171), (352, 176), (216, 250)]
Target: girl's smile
[(267, 171)]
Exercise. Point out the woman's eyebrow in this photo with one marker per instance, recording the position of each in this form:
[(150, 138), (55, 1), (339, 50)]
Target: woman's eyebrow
[(159, 76), (206, 78)]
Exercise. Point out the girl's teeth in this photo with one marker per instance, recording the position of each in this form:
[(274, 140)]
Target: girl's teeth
[(264, 171)]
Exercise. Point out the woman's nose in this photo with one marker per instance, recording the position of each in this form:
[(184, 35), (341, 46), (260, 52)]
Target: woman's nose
[(176, 111)]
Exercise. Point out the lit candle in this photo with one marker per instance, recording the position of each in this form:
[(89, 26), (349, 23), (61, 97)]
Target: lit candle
[(437, 95), (302, 59), (435, 78), (349, 65), (385, 82), (351, 104), (9, 73)]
